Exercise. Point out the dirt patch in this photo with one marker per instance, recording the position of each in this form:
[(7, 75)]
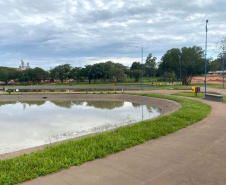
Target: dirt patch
[(209, 80)]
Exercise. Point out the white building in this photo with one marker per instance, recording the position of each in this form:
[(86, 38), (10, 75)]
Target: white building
[(216, 72), (23, 67)]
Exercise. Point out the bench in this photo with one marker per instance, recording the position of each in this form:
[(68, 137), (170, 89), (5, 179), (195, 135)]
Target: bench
[(214, 97)]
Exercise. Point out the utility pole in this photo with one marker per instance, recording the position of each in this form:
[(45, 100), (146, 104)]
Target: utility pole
[(180, 66), (206, 54), (142, 51), (165, 72), (223, 68)]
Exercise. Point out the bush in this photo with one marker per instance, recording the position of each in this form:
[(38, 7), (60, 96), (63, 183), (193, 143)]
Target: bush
[(9, 91)]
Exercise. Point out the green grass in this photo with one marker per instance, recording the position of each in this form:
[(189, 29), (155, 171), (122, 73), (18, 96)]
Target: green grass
[(76, 152), (127, 81), (174, 87), (216, 86), (190, 94), (199, 95)]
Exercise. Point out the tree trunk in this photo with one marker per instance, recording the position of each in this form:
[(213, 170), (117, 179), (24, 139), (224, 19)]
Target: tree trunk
[(186, 80)]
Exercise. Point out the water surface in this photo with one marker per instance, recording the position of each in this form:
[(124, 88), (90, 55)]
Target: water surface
[(27, 124)]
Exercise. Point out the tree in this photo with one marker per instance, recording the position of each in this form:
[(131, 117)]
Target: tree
[(192, 62), (150, 66), (215, 65), (136, 65), (121, 68), (107, 67), (96, 72), (61, 72), (39, 75), (35, 75), (170, 76), (87, 72), (102, 71), (115, 74), (221, 47), (23, 77), (76, 73), (136, 74), (7, 74), (171, 60)]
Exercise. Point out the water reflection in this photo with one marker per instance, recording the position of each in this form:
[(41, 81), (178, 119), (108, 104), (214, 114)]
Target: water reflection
[(105, 104), (25, 124), (63, 104), (69, 103), (96, 104), (136, 105), (27, 103)]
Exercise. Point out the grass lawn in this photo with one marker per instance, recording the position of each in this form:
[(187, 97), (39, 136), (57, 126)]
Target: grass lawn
[(128, 82), (76, 152), (174, 87), (162, 86), (199, 95), (217, 86)]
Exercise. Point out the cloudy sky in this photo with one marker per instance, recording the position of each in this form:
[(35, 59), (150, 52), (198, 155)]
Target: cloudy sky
[(47, 33)]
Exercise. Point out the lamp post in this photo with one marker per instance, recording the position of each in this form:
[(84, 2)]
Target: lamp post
[(142, 50), (223, 68), (180, 66), (165, 72), (206, 55), (149, 72), (109, 77)]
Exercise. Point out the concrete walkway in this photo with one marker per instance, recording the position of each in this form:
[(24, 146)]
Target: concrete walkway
[(193, 155), (221, 91)]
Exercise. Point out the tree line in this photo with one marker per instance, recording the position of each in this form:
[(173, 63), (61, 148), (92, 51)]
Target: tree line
[(105, 72), (192, 64)]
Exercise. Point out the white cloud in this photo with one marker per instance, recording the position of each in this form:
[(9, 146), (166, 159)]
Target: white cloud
[(150, 21), (77, 31), (202, 3)]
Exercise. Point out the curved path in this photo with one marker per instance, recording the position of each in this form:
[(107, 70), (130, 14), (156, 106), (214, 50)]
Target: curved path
[(193, 155), (221, 91)]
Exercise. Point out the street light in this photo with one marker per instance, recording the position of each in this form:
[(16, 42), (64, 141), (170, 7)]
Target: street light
[(131, 75), (223, 68), (180, 66), (149, 70), (142, 50), (165, 72), (206, 55)]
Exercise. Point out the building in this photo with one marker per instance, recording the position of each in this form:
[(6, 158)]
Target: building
[(23, 67), (216, 73)]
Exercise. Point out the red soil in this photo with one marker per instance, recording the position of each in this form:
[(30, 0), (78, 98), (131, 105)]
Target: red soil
[(209, 80)]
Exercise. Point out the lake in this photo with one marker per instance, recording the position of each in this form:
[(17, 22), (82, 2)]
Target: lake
[(26, 124)]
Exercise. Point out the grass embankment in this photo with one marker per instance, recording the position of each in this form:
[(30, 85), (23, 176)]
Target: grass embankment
[(65, 155), (199, 95)]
